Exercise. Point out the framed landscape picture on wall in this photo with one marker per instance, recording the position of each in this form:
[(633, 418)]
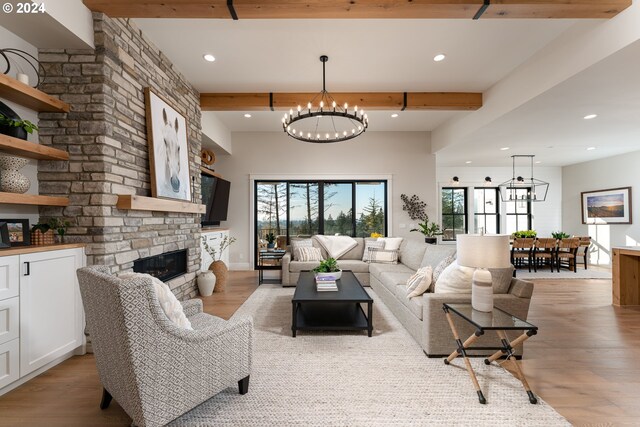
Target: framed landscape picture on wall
[(168, 149), (612, 206)]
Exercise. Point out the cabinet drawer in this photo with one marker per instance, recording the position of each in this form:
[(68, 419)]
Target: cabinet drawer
[(9, 362), (9, 277), (9, 318)]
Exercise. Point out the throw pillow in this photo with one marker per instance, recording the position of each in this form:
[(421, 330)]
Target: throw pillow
[(413, 281), (309, 254), (383, 256), (391, 243), (371, 244), (455, 279), (501, 279), (168, 301), (422, 285), (439, 269), (300, 243)]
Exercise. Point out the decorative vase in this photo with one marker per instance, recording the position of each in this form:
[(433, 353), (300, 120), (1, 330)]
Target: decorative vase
[(221, 271), (206, 283), (431, 240), (336, 274), (11, 180)]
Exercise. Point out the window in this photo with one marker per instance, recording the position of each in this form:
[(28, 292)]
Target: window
[(304, 208), (486, 210), (518, 212), (454, 212)]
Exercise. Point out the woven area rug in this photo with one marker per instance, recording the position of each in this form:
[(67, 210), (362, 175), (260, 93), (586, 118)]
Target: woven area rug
[(564, 274), (348, 379)]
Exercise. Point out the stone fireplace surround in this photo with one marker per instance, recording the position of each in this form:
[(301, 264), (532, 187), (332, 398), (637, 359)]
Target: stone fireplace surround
[(105, 134)]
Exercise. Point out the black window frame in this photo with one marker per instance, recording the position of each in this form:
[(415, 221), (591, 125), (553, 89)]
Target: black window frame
[(528, 214), (484, 213), (321, 183), (463, 214)]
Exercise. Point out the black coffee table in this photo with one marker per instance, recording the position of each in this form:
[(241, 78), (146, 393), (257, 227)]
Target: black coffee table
[(331, 310)]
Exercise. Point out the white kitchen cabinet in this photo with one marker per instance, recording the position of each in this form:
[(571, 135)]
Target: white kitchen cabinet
[(214, 238), (43, 321)]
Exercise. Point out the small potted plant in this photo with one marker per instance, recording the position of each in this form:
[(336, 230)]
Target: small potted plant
[(417, 210), (16, 128), (271, 239), (60, 227), (558, 235), (525, 234), (328, 267)]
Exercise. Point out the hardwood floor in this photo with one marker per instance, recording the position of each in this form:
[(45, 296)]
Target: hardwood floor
[(584, 361)]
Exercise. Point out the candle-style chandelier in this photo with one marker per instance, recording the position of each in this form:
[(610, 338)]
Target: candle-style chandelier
[(324, 120)]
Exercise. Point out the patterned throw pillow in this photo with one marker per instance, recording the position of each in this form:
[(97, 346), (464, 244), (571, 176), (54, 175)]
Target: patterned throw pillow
[(423, 285), (439, 269), (300, 243), (308, 254), (382, 256), (417, 277), (371, 244)]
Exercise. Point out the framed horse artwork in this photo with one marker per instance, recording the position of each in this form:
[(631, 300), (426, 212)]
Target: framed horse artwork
[(168, 149)]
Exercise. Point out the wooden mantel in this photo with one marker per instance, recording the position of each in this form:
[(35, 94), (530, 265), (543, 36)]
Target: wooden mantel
[(359, 9), (142, 203)]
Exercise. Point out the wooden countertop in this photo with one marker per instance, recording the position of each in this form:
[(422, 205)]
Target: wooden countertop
[(18, 250), (209, 229), (627, 249)]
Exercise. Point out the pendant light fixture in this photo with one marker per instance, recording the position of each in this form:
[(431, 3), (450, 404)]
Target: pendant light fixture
[(523, 189), (323, 120)]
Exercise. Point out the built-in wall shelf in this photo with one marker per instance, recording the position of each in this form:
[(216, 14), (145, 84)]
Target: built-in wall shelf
[(20, 93), (33, 199), (142, 203), (33, 249), (22, 148)]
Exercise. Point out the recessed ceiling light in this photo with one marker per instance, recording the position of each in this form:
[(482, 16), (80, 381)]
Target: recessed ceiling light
[(538, 161), (439, 57), (247, 115), (504, 148), (468, 161), (209, 58), (394, 115), (591, 148), (590, 116)]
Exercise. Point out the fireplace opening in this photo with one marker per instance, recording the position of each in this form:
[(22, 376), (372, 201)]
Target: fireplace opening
[(166, 266)]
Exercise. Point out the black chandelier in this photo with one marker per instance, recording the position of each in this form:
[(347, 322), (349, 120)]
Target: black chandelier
[(523, 189), (330, 122)]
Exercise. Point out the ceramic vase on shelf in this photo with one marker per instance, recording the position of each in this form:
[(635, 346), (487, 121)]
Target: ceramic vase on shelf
[(11, 180), (206, 283), (221, 271)]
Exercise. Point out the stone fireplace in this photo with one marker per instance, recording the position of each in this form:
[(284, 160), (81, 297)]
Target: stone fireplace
[(165, 266), (106, 137)]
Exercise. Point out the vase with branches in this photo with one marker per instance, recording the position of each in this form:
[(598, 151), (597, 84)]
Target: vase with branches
[(219, 268), (417, 211)]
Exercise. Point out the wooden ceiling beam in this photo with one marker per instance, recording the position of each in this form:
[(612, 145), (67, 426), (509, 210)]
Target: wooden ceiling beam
[(443, 101), (358, 9)]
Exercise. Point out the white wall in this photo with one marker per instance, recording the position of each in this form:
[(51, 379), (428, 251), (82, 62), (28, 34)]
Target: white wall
[(217, 135), (547, 215), (405, 156), (612, 172), (31, 169)]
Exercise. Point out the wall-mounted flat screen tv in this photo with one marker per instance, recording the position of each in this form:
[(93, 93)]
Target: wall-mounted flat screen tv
[(215, 195)]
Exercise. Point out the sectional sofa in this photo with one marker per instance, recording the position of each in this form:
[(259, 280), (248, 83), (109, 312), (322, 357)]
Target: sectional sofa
[(421, 316)]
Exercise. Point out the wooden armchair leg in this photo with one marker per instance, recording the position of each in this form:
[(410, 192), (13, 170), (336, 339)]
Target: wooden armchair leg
[(106, 399), (243, 385)]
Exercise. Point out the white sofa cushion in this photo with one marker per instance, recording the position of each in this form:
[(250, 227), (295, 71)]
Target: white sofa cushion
[(299, 243), (423, 284), (391, 243), (308, 254), (377, 244), (455, 279)]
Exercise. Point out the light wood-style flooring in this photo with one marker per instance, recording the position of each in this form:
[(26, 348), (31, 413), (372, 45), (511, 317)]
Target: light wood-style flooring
[(585, 361)]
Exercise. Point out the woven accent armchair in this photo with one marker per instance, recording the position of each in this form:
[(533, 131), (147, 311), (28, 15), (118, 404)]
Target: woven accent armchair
[(155, 370)]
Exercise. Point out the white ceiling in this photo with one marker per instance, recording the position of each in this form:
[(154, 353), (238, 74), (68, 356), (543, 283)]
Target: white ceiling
[(551, 126), (397, 55)]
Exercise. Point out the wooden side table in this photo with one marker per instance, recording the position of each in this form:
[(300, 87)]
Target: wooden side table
[(498, 320)]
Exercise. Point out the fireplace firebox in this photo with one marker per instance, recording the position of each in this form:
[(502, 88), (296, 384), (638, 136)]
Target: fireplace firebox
[(166, 266)]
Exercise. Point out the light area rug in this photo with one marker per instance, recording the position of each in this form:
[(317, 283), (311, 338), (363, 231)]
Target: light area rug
[(348, 379), (563, 274)]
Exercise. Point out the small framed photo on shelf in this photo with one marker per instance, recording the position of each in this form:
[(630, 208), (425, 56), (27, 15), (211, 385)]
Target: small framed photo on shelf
[(18, 232)]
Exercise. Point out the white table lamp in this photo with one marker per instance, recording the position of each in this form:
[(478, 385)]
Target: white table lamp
[(481, 252)]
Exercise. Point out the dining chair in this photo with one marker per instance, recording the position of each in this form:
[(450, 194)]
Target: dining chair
[(522, 249), (544, 250), (583, 249), (566, 253)]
